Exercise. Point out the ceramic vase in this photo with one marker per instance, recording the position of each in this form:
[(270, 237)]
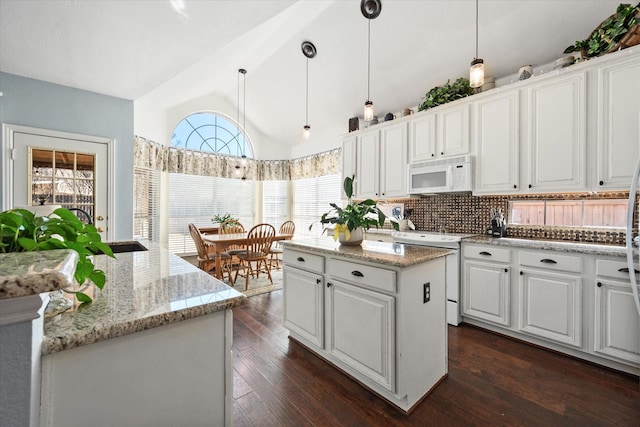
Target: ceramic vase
[(355, 238)]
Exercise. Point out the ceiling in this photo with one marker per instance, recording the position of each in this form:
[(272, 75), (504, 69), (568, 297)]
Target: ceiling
[(166, 53)]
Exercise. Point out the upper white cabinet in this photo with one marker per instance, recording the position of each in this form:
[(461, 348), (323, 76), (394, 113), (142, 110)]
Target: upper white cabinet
[(496, 144), (440, 133), (382, 162), (618, 139), (556, 137), (348, 160)]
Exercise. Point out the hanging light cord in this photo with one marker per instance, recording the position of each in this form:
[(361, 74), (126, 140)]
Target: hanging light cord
[(307, 110), (476, 29), (244, 112), (369, 62)]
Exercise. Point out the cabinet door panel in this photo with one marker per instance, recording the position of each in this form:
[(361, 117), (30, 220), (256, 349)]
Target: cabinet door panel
[(304, 304), (422, 137), (497, 144), (617, 326), (618, 131), (557, 141), (362, 331), (551, 306), (454, 131), (485, 292), (368, 165), (393, 165)]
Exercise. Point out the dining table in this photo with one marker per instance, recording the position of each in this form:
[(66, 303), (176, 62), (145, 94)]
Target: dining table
[(219, 242)]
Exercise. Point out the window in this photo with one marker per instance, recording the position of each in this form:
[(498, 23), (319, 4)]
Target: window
[(275, 202), (213, 133), (311, 198), (146, 216), (610, 213), (196, 199)]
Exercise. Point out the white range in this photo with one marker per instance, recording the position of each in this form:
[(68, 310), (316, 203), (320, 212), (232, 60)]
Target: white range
[(441, 240)]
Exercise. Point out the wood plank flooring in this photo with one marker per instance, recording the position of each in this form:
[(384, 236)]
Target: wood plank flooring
[(493, 381)]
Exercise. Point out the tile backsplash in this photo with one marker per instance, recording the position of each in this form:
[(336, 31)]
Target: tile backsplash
[(464, 213)]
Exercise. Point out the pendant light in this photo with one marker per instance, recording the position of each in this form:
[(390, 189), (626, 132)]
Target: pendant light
[(309, 51), (476, 73), (243, 158), (370, 9)]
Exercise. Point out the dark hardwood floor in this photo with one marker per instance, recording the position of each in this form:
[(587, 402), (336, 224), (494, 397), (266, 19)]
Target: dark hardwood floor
[(493, 381)]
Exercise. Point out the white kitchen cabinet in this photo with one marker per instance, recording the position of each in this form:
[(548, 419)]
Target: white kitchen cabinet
[(618, 114), (496, 144), (382, 162), (486, 284), (362, 331), (550, 304), (556, 137), (349, 165), (443, 131), (384, 325), (616, 321)]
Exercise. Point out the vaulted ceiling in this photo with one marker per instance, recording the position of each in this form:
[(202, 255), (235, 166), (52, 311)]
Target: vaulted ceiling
[(165, 53)]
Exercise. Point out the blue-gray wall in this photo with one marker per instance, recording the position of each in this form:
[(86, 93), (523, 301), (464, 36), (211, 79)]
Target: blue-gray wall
[(35, 103)]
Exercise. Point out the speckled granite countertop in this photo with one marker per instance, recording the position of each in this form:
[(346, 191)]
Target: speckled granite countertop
[(391, 254), (573, 247), (31, 273), (144, 290)]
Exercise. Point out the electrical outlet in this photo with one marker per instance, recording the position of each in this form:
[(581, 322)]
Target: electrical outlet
[(426, 292)]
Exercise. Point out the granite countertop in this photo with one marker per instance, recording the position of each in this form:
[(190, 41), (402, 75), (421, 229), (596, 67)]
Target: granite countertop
[(144, 289), (571, 247), (31, 273), (391, 254)]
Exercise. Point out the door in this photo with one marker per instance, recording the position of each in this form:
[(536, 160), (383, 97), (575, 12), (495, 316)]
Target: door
[(393, 164), (368, 161), (486, 292), (304, 304), (58, 168)]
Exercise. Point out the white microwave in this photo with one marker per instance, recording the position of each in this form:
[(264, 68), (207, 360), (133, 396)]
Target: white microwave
[(449, 175)]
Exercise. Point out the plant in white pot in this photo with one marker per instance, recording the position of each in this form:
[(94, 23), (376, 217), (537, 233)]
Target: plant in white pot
[(351, 221)]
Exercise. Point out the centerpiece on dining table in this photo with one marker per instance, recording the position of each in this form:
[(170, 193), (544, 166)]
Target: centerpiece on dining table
[(350, 222)]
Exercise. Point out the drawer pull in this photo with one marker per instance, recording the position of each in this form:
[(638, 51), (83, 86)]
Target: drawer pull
[(485, 253), (626, 270), (300, 259), (357, 273), (599, 284), (548, 261)]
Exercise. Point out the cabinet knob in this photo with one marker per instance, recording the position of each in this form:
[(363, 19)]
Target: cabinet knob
[(522, 273), (318, 281), (515, 186), (530, 185), (599, 284), (433, 155), (442, 153), (383, 194), (601, 183), (506, 270), (329, 284)]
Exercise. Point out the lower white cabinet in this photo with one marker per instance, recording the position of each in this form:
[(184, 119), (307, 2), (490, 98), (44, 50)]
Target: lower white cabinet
[(362, 331), (616, 321), (578, 304), (383, 325), (486, 284)]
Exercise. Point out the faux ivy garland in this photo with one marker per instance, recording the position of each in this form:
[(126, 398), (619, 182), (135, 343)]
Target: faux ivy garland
[(448, 92), (22, 231)]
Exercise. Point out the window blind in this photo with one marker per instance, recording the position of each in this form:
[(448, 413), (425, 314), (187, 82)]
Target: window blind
[(146, 214), (311, 198), (196, 199), (275, 202)]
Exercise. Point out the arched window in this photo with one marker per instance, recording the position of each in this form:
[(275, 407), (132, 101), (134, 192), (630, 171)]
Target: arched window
[(211, 132)]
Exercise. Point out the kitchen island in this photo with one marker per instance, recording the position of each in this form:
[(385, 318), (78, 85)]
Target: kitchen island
[(377, 312), (153, 348)]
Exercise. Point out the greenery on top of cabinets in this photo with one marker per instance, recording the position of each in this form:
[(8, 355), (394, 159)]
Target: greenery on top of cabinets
[(22, 231), (609, 33), (449, 92)]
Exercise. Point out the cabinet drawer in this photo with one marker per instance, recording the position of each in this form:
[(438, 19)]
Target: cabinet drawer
[(303, 260), (365, 275), (614, 269), (551, 261), (487, 253)]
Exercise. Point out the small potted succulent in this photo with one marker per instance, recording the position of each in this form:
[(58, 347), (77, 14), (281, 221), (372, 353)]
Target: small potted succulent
[(351, 221), (22, 231)]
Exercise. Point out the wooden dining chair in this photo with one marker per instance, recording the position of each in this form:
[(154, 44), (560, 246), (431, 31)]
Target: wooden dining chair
[(232, 226), (259, 240), (206, 258), (287, 227)]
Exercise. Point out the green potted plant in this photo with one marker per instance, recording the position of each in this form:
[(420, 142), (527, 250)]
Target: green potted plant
[(448, 92), (351, 221), (22, 231), (219, 219), (620, 30)]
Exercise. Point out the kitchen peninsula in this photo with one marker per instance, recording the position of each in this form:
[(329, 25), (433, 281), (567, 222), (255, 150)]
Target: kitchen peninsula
[(153, 348), (376, 311)]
